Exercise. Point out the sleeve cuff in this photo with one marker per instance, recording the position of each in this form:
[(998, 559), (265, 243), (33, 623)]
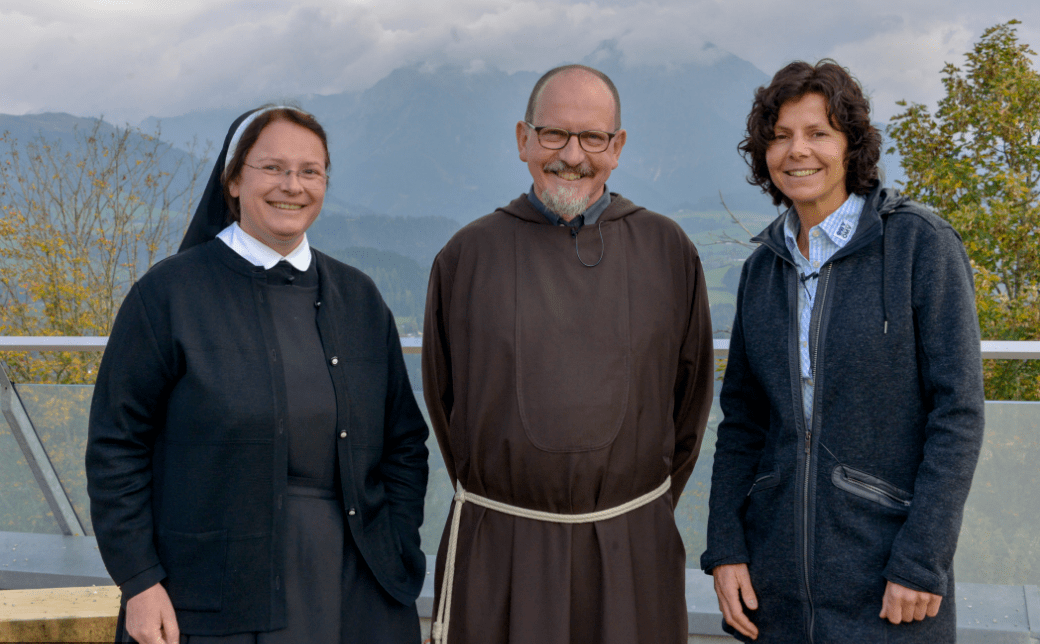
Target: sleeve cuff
[(709, 564), (915, 577), (142, 581)]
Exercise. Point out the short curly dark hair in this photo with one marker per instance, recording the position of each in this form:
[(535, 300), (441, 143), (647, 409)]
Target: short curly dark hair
[(847, 108)]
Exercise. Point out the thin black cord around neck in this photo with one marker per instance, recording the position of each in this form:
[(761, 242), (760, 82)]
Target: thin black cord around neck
[(602, 246)]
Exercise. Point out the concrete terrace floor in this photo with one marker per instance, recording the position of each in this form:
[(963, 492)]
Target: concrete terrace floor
[(986, 613)]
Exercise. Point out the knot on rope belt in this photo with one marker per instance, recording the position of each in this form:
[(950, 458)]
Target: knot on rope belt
[(439, 631)]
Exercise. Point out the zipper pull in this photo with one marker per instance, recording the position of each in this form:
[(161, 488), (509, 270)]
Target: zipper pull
[(808, 440)]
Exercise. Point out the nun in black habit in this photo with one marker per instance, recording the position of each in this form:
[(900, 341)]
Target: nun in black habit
[(256, 460)]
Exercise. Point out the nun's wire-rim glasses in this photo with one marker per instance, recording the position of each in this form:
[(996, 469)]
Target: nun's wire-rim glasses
[(309, 175)]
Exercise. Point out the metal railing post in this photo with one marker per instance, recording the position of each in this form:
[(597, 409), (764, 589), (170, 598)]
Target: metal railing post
[(40, 464)]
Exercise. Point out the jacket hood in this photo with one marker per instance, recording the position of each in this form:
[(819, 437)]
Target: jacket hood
[(880, 203), (522, 209)]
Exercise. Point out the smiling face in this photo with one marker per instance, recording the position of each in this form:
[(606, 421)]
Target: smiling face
[(569, 179), (279, 210), (806, 158)]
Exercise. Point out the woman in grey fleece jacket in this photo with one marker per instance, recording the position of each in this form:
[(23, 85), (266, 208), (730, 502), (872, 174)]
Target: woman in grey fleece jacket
[(853, 395)]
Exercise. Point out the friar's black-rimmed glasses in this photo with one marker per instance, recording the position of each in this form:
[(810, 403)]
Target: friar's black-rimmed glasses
[(554, 138)]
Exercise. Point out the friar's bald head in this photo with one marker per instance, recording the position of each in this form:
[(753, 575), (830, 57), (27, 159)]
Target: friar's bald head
[(547, 76)]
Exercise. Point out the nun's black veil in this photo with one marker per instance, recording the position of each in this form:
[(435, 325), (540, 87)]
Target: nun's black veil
[(211, 216)]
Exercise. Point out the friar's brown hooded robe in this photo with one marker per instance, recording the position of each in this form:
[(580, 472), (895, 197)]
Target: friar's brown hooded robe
[(560, 387)]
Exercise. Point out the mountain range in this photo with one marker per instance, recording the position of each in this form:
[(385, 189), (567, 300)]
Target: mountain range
[(441, 141), (430, 148)]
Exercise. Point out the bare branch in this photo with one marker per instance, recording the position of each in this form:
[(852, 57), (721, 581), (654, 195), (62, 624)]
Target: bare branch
[(726, 238)]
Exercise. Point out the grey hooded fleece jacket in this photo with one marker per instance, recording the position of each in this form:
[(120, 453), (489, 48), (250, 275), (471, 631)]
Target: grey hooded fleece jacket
[(874, 489)]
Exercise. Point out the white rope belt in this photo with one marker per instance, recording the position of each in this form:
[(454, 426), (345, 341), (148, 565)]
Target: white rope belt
[(440, 625)]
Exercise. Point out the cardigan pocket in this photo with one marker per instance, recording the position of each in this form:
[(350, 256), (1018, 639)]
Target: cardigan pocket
[(871, 487), (194, 563)]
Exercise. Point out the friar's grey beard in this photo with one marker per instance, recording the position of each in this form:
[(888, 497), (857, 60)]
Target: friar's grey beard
[(565, 202)]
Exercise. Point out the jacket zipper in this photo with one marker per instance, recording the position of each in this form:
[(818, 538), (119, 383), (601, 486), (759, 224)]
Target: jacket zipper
[(821, 297)]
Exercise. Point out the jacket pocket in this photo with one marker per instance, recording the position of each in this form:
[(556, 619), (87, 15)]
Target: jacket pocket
[(194, 563), (871, 487), (764, 481)]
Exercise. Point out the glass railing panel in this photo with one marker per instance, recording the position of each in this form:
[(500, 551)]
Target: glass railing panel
[(1000, 538), (59, 414), (691, 513), (999, 542), (23, 507), (438, 491)]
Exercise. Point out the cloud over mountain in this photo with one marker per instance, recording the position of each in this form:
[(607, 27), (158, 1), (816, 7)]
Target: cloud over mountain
[(128, 59)]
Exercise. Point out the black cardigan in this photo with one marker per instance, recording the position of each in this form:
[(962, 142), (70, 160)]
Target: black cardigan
[(187, 452)]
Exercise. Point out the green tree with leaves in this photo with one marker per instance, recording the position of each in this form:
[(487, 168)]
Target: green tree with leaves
[(976, 162)]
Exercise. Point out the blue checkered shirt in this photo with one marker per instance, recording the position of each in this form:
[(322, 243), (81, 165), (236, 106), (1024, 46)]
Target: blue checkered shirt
[(825, 239)]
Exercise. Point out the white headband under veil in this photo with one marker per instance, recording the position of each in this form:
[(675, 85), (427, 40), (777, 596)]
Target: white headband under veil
[(233, 146)]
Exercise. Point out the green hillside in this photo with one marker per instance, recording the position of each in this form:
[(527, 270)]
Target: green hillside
[(401, 280)]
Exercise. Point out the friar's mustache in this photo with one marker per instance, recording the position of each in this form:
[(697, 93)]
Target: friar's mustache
[(558, 166)]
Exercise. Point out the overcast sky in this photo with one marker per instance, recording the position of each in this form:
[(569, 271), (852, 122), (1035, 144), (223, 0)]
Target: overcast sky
[(129, 59)]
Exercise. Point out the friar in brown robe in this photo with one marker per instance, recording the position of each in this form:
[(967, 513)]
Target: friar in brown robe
[(568, 369)]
